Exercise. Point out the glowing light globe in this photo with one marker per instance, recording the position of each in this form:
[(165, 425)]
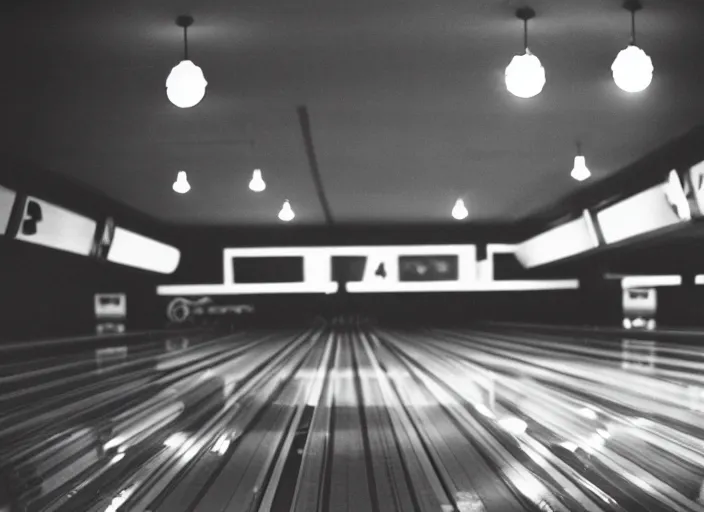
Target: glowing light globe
[(185, 86), (286, 214), (632, 69), (459, 211), (525, 75), (181, 184), (257, 183)]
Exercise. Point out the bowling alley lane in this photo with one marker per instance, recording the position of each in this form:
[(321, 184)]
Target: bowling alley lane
[(358, 417)]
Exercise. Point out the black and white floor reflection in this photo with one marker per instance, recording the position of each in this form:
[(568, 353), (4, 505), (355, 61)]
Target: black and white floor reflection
[(359, 418)]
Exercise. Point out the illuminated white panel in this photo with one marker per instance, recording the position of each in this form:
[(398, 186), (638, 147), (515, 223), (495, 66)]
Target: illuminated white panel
[(138, 251), (49, 225), (318, 263), (318, 279), (7, 199), (477, 286), (244, 289), (662, 280), (699, 279), (642, 213), (696, 176), (676, 195), (567, 240), (358, 287)]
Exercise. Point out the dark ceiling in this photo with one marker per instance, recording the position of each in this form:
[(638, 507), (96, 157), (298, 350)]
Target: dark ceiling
[(407, 104)]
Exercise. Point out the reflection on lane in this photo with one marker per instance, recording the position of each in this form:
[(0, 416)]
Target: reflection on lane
[(345, 417)]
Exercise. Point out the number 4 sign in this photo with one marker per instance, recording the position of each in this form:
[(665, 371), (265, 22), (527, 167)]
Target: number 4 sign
[(381, 267)]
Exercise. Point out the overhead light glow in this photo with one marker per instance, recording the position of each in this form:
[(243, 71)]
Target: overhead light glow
[(185, 86), (221, 445), (175, 440), (580, 171), (286, 214), (117, 458), (525, 75), (257, 183), (588, 413), (569, 445), (632, 69), (459, 211), (120, 499), (181, 184)]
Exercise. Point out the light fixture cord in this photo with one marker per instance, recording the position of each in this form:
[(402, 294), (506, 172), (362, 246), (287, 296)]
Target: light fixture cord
[(633, 28), (185, 43), (525, 34)]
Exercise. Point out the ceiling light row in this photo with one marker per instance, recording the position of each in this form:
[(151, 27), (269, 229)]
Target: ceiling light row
[(525, 78), (525, 75), (185, 88), (632, 69), (580, 172), (256, 184)]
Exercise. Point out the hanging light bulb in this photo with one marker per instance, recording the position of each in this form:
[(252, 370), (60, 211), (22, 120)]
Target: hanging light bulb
[(633, 68), (525, 75), (286, 214), (580, 171), (185, 86), (181, 184), (459, 211), (257, 183)]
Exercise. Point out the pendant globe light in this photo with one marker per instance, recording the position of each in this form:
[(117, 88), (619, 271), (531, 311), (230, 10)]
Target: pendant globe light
[(459, 211), (185, 86), (286, 214), (580, 172), (633, 68), (525, 75)]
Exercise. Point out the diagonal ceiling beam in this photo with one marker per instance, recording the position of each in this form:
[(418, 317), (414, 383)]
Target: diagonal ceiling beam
[(304, 121)]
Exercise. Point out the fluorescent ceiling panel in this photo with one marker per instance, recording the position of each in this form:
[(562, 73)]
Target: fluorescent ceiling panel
[(639, 214), (49, 225), (567, 240), (138, 251), (7, 199), (696, 176)]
